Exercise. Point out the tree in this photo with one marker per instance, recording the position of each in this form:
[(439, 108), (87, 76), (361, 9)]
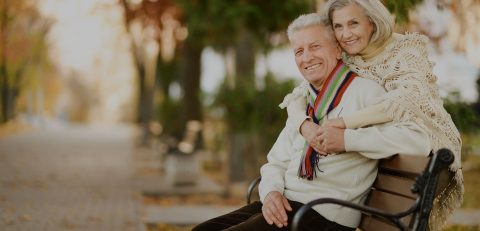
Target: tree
[(245, 28), (22, 48), (401, 8), (151, 24)]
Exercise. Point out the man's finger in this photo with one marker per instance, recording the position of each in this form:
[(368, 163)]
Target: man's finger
[(286, 205), (266, 215), (280, 213), (270, 217)]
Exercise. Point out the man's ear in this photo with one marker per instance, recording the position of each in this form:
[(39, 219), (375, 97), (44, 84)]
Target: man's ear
[(338, 52)]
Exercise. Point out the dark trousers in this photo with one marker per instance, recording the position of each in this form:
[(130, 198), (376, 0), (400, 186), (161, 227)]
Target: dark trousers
[(250, 218)]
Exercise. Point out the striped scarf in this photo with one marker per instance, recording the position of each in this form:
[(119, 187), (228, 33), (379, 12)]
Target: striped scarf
[(320, 103)]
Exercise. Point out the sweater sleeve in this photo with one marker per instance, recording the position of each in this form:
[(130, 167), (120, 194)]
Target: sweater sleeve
[(385, 140), (367, 116), (296, 113), (273, 172)]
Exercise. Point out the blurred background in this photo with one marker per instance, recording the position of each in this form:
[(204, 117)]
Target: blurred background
[(174, 105)]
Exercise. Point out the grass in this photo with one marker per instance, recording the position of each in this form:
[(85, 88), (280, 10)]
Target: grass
[(471, 175), (462, 228), (167, 227)]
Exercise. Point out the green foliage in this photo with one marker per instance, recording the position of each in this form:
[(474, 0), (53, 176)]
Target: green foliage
[(253, 111), (400, 8), (217, 23), (463, 115)]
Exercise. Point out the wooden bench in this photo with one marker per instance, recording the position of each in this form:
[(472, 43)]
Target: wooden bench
[(402, 195)]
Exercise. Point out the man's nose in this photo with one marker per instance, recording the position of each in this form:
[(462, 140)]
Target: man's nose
[(307, 55)]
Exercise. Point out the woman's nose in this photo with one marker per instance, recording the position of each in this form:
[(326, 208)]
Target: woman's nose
[(347, 33)]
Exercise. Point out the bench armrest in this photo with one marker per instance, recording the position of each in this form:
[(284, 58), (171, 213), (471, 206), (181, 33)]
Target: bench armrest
[(425, 187), (251, 187), (363, 208)]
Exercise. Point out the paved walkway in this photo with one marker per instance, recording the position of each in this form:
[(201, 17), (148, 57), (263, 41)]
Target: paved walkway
[(83, 178), (78, 178)]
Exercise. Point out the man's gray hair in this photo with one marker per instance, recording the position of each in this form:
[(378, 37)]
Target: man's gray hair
[(306, 20)]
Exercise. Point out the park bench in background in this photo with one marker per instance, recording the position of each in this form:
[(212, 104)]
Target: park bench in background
[(402, 195), (182, 164)]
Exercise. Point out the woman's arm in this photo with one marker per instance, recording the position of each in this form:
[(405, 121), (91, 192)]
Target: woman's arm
[(367, 116)]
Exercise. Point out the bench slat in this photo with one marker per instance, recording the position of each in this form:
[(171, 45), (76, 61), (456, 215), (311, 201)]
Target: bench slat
[(389, 202), (395, 185), (373, 224), (408, 165)]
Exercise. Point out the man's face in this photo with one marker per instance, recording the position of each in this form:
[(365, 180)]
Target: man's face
[(316, 53)]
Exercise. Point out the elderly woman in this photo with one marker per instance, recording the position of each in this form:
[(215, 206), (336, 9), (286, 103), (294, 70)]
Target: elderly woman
[(364, 29)]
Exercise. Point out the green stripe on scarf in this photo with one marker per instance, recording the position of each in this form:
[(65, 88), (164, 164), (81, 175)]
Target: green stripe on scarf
[(319, 105)]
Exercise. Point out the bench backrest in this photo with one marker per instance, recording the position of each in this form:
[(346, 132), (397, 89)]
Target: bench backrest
[(391, 191)]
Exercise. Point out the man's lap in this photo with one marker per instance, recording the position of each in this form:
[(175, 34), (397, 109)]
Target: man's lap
[(250, 218)]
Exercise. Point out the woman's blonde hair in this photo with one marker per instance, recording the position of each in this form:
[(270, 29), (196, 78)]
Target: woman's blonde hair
[(376, 12)]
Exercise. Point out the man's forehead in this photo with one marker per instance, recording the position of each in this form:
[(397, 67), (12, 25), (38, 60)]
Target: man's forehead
[(311, 34)]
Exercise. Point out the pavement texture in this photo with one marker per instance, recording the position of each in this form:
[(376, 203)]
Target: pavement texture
[(90, 178), (75, 178)]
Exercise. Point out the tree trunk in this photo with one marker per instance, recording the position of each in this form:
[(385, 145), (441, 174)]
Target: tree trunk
[(241, 144), (238, 143), (4, 85), (191, 106), (245, 58)]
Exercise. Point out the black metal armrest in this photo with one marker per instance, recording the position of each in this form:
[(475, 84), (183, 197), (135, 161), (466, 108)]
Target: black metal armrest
[(425, 187), (251, 187), (363, 208)]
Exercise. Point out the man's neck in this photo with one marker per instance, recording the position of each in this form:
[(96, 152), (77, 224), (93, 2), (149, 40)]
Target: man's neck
[(318, 87)]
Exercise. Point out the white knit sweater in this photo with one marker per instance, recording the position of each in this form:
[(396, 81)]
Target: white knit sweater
[(403, 68), (348, 175)]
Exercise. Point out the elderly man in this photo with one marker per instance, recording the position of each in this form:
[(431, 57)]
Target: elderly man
[(295, 172)]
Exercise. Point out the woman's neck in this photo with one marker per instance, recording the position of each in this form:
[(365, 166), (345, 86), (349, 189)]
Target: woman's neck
[(373, 50)]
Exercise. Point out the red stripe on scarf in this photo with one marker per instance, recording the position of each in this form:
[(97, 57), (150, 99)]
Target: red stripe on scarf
[(343, 89), (325, 83)]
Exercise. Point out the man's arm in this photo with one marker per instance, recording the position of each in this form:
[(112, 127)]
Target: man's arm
[(272, 185), (273, 171)]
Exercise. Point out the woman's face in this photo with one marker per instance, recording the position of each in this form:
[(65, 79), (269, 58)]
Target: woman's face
[(352, 28)]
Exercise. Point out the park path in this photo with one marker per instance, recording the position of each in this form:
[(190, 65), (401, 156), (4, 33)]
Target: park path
[(69, 178), (83, 178)]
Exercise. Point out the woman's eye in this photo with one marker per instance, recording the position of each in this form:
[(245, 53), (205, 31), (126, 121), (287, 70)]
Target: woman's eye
[(336, 26)]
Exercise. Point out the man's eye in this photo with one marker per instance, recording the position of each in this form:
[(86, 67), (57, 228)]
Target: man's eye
[(298, 53), (336, 26)]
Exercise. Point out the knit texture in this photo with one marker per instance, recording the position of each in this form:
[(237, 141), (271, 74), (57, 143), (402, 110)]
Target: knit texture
[(412, 94)]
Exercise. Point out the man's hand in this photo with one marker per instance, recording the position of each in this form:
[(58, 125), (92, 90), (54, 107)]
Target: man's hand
[(332, 139), (311, 131), (337, 123), (274, 209)]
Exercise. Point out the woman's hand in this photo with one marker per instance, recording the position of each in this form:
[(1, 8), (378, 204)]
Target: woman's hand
[(274, 209), (336, 123), (311, 131), (332, 139)]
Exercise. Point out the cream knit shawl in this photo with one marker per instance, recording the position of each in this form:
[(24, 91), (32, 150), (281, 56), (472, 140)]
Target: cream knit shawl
[(412, 94)]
